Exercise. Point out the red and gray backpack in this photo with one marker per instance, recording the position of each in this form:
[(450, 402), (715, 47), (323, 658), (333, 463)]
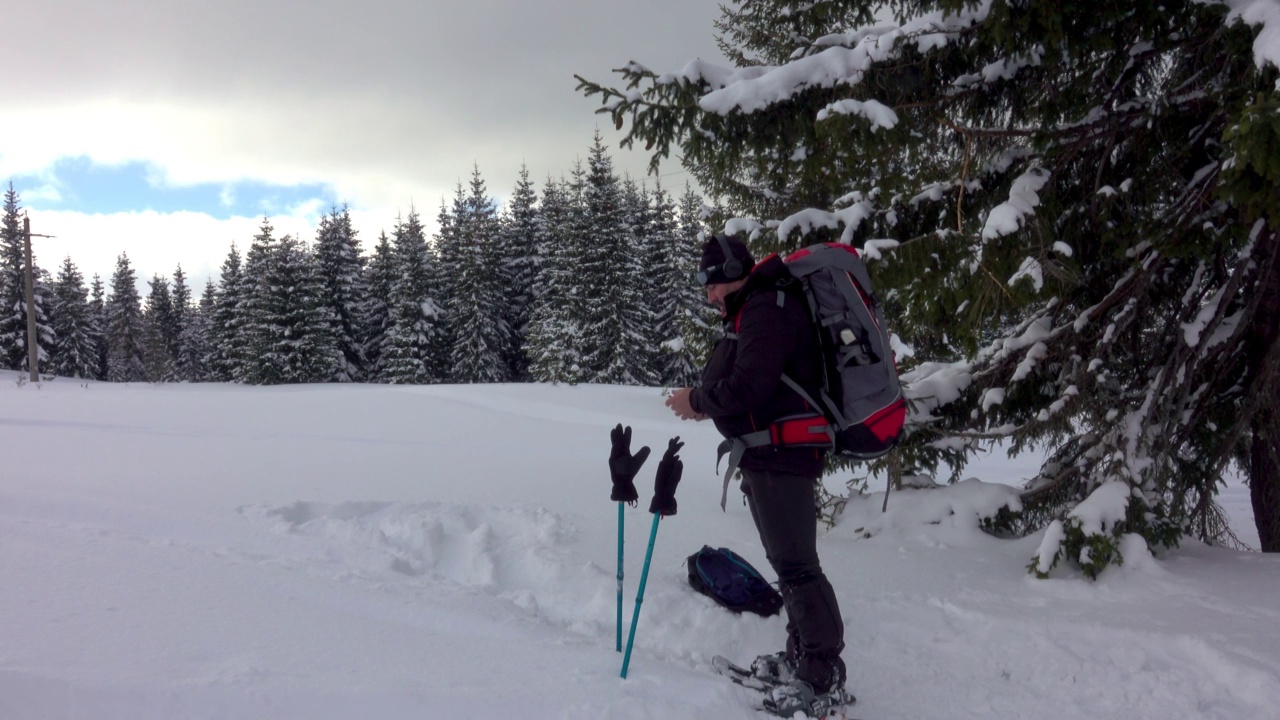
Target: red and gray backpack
[(859, 411)]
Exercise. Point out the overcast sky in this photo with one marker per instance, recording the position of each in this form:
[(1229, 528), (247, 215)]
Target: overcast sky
[(166, 129)]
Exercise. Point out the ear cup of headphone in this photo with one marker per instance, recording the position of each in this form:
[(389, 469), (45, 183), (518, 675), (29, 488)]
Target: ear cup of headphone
[(732, 266)]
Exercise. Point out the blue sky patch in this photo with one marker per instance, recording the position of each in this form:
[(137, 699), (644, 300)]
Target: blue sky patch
[(79, 184)]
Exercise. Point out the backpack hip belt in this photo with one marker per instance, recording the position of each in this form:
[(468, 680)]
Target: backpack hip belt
[(807, 430)]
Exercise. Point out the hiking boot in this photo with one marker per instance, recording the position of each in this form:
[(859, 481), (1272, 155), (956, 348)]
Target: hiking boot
[(774, 668), (798, 696)]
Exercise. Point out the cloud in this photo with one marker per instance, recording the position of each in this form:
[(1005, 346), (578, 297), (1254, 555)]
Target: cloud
[(383, 104), (47, 193), (386, 101), (157, 243)]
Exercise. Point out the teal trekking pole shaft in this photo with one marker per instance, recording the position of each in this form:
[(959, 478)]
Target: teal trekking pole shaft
[(644, 576), (620, 521)]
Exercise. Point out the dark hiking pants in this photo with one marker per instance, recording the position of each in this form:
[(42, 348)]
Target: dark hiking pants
[(783, 508)]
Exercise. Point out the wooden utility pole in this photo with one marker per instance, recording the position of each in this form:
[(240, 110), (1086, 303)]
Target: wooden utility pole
[(33, 347)]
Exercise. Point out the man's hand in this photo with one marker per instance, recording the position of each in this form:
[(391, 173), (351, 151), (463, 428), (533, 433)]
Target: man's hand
[(680, 405)]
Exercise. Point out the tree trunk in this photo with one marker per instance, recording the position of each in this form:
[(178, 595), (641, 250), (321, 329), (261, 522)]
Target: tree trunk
[(1264, 456), (1264, 489)]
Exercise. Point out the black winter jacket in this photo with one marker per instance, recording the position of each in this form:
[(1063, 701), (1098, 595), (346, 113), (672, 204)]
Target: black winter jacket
[(742, 388)]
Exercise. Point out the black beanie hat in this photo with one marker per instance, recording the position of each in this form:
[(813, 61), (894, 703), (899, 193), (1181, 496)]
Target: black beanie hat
[(715, 267)]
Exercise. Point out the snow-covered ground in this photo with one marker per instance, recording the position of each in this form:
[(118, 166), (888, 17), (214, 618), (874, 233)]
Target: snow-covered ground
[(209, 551)]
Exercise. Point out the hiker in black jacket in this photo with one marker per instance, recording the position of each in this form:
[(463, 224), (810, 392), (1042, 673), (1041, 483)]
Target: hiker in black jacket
[(768, 334)]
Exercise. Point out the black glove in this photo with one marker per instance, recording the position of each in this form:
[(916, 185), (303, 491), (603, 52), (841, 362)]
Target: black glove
[(664, 485), (623, 466)]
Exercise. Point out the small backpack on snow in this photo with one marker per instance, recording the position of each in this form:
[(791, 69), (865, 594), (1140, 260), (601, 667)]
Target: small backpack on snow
[(723, 576)]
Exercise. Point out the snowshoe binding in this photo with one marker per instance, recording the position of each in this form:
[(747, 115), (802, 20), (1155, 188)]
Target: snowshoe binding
[(787, 699), (784, 694)]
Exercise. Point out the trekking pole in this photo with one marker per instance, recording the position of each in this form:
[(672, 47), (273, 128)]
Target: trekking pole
[(623, 467), (644, 576), (620, 536), (664, 503)]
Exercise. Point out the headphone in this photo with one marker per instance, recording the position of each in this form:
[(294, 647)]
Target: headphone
[(732, 266)]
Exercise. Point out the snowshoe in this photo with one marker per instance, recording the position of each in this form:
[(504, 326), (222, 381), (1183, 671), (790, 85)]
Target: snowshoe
[(775, 668), (741, 675), (784, 697), (787, 699)]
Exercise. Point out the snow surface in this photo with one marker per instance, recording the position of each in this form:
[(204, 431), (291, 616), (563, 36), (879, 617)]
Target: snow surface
[(346, 551)]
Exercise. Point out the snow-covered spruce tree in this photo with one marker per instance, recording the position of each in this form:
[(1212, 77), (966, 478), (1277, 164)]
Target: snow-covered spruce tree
[(98, 320), (1080, 200), (411, 349), (673, 280), (182, 308), (160, 332), (193, 344), (337, 251), (613, 305), (125, 326), (308, 341), (447, 251), (477, 301), (290, 329), (13, 291), (254, 325), (519, 260), (75, 352), (554, 332), (379, 277), (697, 323), (225, 358), (645, 256)]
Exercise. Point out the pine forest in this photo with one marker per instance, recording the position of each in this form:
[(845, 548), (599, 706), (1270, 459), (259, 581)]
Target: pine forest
[(587, 279)]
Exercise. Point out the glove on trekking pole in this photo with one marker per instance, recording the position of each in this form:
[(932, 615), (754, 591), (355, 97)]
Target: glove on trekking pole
[(623, 467), (664, 503)]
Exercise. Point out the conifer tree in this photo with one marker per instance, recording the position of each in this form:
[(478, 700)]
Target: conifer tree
[(1073, 212), (98, 320), (613, 308), (376, 311), (181, 294), (256, 334), (337, 251), (697, 324), (160, 332), (448, 254), (193, 345), (672, 272), (478, 308), (554, 330), (13, 289), (182, 311), (126, 360), (411, 349), (519, 260), (290, 328), (644, 258), (225, 356), (75, 352)]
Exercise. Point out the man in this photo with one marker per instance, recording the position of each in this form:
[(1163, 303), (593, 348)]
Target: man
[(768, 334)]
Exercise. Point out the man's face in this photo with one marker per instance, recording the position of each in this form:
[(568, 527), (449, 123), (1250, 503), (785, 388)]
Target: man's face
[(717, 292)]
